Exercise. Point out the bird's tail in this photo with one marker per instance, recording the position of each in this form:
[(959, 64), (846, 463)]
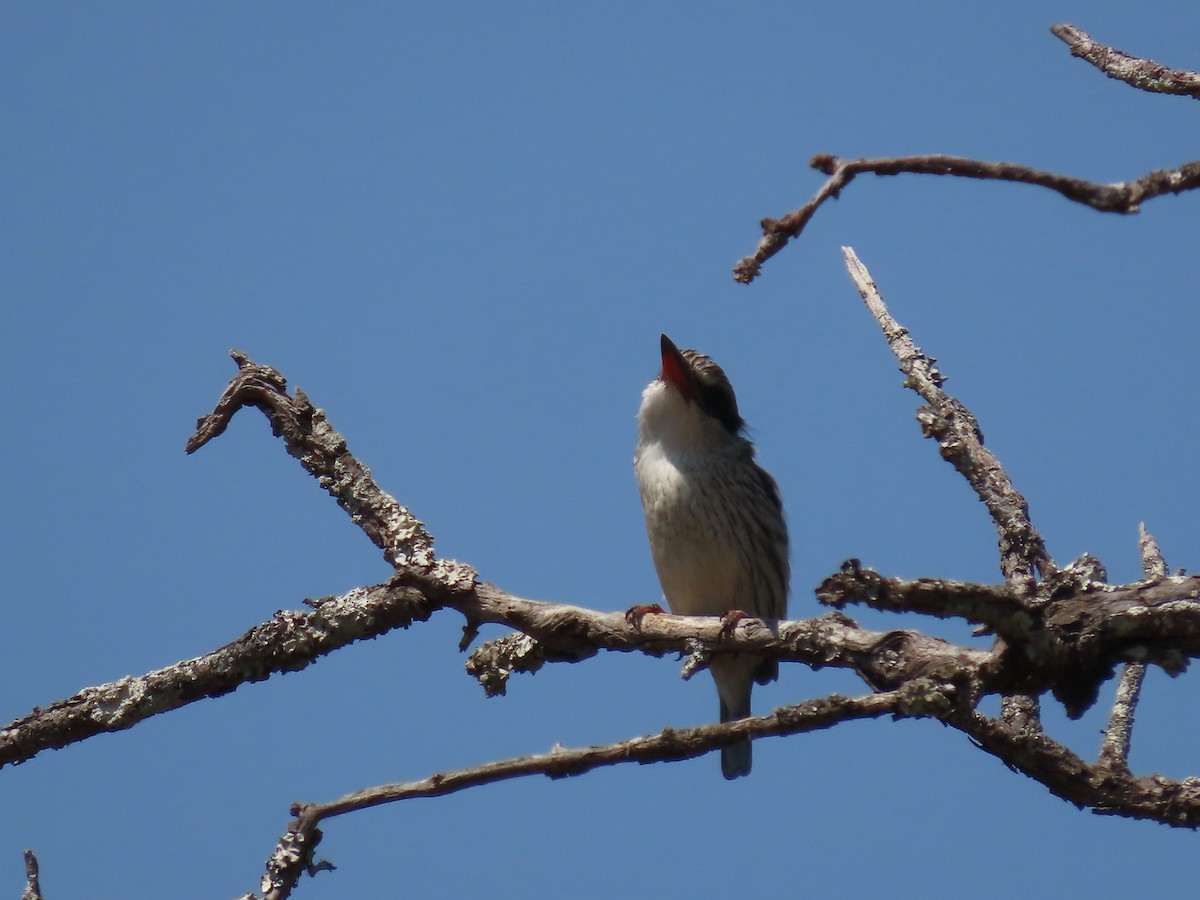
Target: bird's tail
[(736, 758), (734, 676)]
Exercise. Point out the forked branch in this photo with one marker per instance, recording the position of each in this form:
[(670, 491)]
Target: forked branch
[(1123, 197), (951, 424)]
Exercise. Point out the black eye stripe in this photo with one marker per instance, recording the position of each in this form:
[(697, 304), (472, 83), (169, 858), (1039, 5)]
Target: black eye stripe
[(714, 390)]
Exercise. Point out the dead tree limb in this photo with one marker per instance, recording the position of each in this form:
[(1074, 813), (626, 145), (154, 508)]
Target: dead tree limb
[(33, 885), (1022, 551), (290, 641), (1143, 74), (295, 853), (1124, 197), (547, 632)]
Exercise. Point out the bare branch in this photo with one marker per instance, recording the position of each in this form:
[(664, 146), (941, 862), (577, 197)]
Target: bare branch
[(1114, 750), (1153, 563), (1074, 628), (293, 640), (33, 887), (1084, 627), (1105, 791), (323, 453), (294, 854), (1021, 714), (1143, 74), (1161, 614), (566, 633), (289, 642), (961, 441), (777, 232), (1021, 711), (1052, 764), (1122, 197), (1068, 641), (982, 604)]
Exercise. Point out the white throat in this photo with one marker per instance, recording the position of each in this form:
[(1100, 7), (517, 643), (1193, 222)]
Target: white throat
[(678, 426)]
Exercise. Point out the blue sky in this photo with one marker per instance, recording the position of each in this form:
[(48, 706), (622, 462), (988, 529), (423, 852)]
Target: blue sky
[(461, 231)]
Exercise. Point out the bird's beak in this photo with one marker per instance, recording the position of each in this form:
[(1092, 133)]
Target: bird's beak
[(675, 369)]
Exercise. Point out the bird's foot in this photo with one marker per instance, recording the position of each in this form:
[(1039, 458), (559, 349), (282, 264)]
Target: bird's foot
[(729, 622), (635, 614)]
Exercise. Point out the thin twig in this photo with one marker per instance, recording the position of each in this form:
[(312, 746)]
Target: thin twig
[(957, 432), (1114, 749), (1143, 74), (1123, 197), (777, 232)]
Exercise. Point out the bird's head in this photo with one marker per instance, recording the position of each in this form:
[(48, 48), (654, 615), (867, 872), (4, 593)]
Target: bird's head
[(691, 403)]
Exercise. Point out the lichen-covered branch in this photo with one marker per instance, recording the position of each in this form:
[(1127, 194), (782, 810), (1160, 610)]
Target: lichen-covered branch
[(1143, 74), (287, 643), (1068, 642), (322, 451), (293, 640), (993, 606), (33, 886), (951, 424), (1122, 197), (1154, 565), (550, 632), (553, 632), (1118, 737), (1097, 787)]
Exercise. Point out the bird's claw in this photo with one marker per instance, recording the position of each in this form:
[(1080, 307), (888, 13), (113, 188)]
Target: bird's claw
[(729, 622), (635, 614)]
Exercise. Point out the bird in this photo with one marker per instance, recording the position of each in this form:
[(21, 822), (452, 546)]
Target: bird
[(714, 519)]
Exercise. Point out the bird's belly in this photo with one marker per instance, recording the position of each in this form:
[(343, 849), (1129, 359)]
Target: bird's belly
[(698, 580), (694, 540)]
